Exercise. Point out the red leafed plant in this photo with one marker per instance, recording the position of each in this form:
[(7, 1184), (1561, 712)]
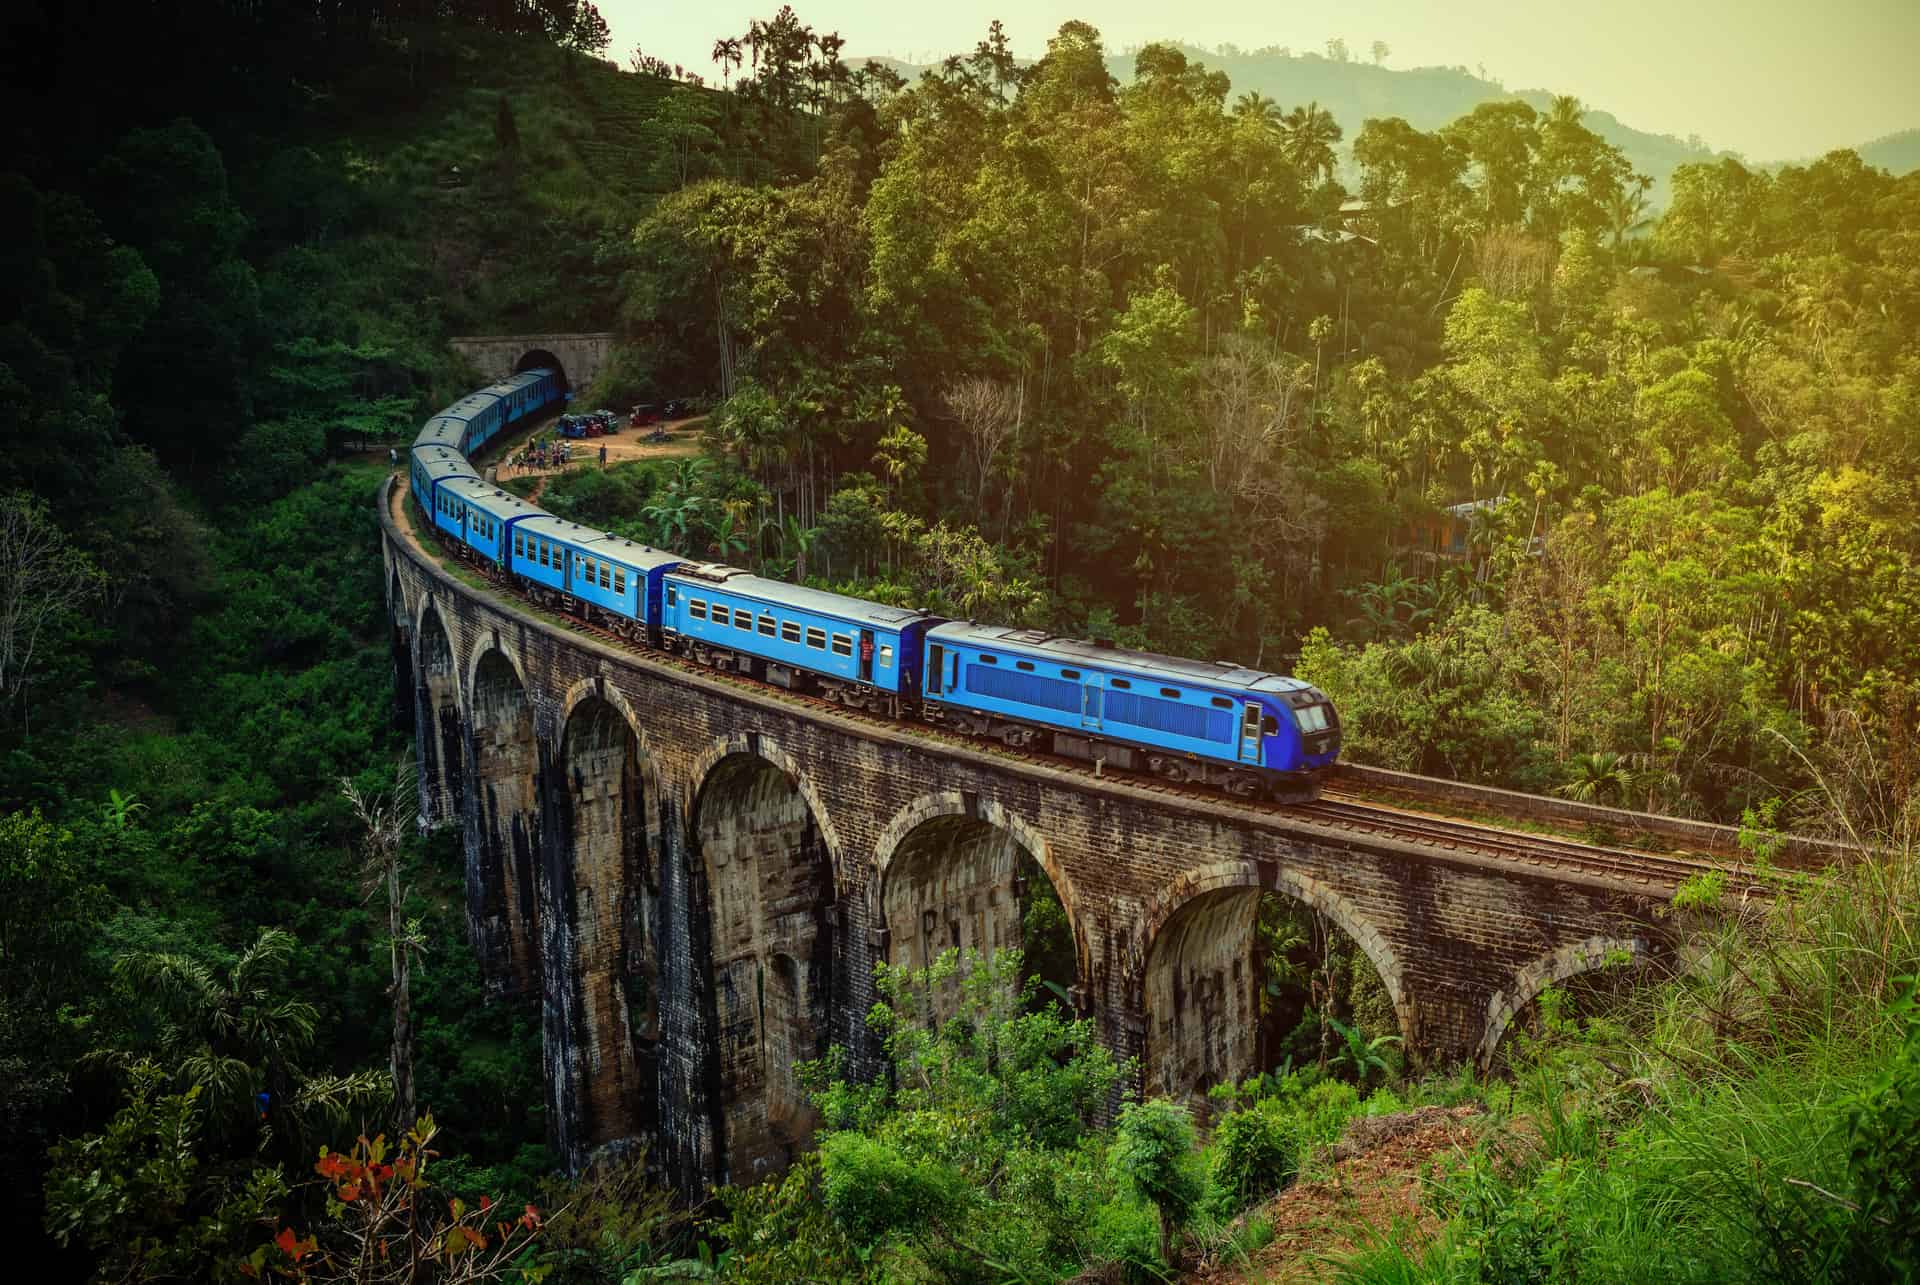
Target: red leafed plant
[(385, 1223)]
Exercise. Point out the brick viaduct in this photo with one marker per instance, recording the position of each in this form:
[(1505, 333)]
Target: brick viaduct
[(696, 879)]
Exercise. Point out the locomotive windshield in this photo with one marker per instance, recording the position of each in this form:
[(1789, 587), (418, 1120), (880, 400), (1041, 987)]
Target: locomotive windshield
[(1311, 719)]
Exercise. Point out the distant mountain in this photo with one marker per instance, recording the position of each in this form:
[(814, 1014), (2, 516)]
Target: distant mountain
[(1896, 153), (1429, 97)]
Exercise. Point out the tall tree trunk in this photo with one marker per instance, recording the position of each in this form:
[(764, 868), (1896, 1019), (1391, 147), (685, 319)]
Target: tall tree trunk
[(402, 1000)]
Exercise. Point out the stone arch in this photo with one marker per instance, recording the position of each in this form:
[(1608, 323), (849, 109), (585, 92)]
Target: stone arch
[(598, 910), (1199, 993), (503, 823), (439, 743), (1556, 966), (766, 747), (763, 866), (536, 359), (948, 874)]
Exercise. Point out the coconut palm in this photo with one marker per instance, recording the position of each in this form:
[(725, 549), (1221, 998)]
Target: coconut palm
[(1258, 108), (1309, 134)]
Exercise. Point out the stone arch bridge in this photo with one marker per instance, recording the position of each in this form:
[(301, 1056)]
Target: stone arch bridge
[(579, 357), (696, 878)]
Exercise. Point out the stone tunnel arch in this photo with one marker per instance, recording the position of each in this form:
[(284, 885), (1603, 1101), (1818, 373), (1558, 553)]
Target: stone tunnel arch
[(442, 750), (957, 872), (1200, 988), (764, 861), (503, 826), (597, 906), (539, 358), (1556, 966)]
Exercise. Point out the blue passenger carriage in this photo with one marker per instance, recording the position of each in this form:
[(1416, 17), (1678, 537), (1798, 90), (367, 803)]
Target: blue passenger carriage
[(1185, 720), (609, 580), (484, 514), (853, 651), (433, 467)]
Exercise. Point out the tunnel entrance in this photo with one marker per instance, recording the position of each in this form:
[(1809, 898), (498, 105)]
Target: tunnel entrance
[(769, 963), (963, 884), (541, 359), (503, 830), (600, 907)]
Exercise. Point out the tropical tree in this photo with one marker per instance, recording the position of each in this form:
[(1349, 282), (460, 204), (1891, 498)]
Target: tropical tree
[(235, 1034), (1309, 134)]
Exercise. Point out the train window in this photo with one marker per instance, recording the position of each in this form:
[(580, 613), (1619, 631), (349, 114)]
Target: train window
[(1069, 673), (989, 660), (586, 569), (543, 552), (1270, 726), (619, 580), (789, 631), (1312, 718), (696, 608), (843, 644), (1171, 693), (605, 579), (1221, 702), (519, 545), (673, 594), (1121, 683), (1252, 719), (767, 626), (1024, 664), (816, 637), (886, 657), (743, 619)]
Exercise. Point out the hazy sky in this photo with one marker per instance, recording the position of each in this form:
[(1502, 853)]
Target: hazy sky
[(1775, 79)]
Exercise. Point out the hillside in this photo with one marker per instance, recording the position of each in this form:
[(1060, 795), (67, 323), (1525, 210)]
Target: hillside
[(1429, 97), (1896, 153)]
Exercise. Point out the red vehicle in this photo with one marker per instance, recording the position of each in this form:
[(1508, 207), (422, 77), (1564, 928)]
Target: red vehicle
[(644, 414)]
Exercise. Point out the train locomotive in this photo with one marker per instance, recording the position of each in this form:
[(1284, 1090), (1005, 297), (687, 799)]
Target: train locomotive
[(1246, 731)]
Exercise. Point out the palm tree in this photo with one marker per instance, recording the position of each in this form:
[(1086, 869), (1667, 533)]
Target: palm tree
[(1257, 107), (1310, 133), (238, 1037), (1605, 777)]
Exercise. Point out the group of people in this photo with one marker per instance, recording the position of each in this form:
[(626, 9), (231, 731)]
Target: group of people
[(538, 453)]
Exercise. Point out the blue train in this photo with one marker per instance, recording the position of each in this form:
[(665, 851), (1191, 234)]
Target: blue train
[(1251, 733)]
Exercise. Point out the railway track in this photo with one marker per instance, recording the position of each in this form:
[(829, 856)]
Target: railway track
[(1657, 873)]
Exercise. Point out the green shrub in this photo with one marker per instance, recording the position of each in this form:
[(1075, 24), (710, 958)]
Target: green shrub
[(873, 1190), (1256, 1151), (1127, 1232)]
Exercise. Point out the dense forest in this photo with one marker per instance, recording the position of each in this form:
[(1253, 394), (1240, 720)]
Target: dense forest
[(1548, 488)]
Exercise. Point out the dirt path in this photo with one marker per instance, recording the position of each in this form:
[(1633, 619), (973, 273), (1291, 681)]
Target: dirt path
[(1374, 1186)]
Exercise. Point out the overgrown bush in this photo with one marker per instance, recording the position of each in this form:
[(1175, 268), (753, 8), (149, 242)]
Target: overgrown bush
[(1256, 1151)]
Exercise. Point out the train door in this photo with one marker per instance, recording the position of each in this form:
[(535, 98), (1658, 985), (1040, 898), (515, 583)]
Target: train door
[(1091, 700), (936, 668), (866, 655), (1250, 733)]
